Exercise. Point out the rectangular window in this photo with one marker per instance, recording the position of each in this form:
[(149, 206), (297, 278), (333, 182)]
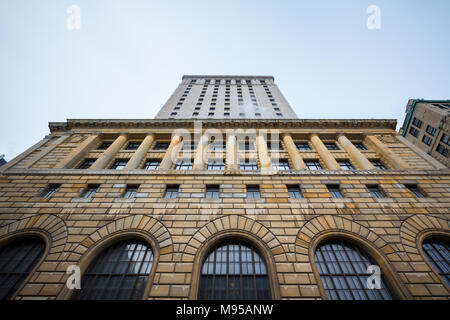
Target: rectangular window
[(152, 164), (216, 165), (171, 191), (334, 190), (313, 165), (415, 190), (442, 150), (130, 191), (360, 146), (427, 140), (119, 164), (183, 164), (445, 139), (249, 165), (417, 122), (246, 146), (414, 132), (374, 191), (212, 191), (217, 146), (330, 145), (283, 164), (49, 191), (345, 164), (133, 146), (378, 164), (104, 145), (253, 192), (86, 164), (430, 130), (294, 191), (303, 146), (90, 191), (161, 146)]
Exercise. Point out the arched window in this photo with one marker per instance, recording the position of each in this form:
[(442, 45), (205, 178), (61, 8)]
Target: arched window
[(437, 252), (17, 259), (343, 270), (119, 272), (234, 270)]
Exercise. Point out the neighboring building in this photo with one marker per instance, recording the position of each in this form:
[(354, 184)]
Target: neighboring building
[(2, 160), (427, 126), (236, 208), (227, 97)]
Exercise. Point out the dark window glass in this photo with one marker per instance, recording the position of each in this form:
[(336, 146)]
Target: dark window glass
[(133, 146), (313, 165), (253, 192), (234, 271), (249, 165), (171, 191), (294, 191), (130, 191), (90, 191), (417, 122), (360, 146), (345, 165), (86, 164), (49, 191), (378, 164), (442, 150), (374, 191), (283, 164), (438, 253), (246, 146), (152, 164), (119, 164), (415, 190), (445, 139), (17, 259), (427, 140), (217, 146), (120, 272), (430, 130), (331, 145), (161, 146), (414, 132), (334, 190), (183, 164), (343, 270), (303, 146), (216, 165), (104, 145), (212, 191)]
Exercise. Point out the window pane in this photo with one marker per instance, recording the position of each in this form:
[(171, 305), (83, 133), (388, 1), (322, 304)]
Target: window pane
[(438, 253)]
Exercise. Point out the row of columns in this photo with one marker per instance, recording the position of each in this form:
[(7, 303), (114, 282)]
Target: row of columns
[(232, 152)]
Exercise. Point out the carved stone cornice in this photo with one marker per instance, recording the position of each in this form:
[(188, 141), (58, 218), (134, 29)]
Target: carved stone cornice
[(71, 124)]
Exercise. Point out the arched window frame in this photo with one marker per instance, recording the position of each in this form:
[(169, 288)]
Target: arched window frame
[(397, 288), (90, 255), (230, 236), (427, 235), (24, 234)]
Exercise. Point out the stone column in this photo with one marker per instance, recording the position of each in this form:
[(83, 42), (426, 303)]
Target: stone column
[(199, 153), (231, 146), (263, 154), (291, 148), (109, 154), (355, 154), (390, 156), (74, 156), (140, 153), (171, 153), (324, 154)]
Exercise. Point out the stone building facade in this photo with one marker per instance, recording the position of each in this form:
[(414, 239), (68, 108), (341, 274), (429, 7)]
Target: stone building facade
[(90, 184), (427, 127)]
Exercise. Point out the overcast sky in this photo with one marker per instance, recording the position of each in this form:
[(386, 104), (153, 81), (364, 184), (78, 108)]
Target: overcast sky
[(129, 55)]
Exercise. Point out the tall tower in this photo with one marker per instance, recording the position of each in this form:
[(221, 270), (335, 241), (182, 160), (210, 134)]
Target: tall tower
[(227, 97)]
